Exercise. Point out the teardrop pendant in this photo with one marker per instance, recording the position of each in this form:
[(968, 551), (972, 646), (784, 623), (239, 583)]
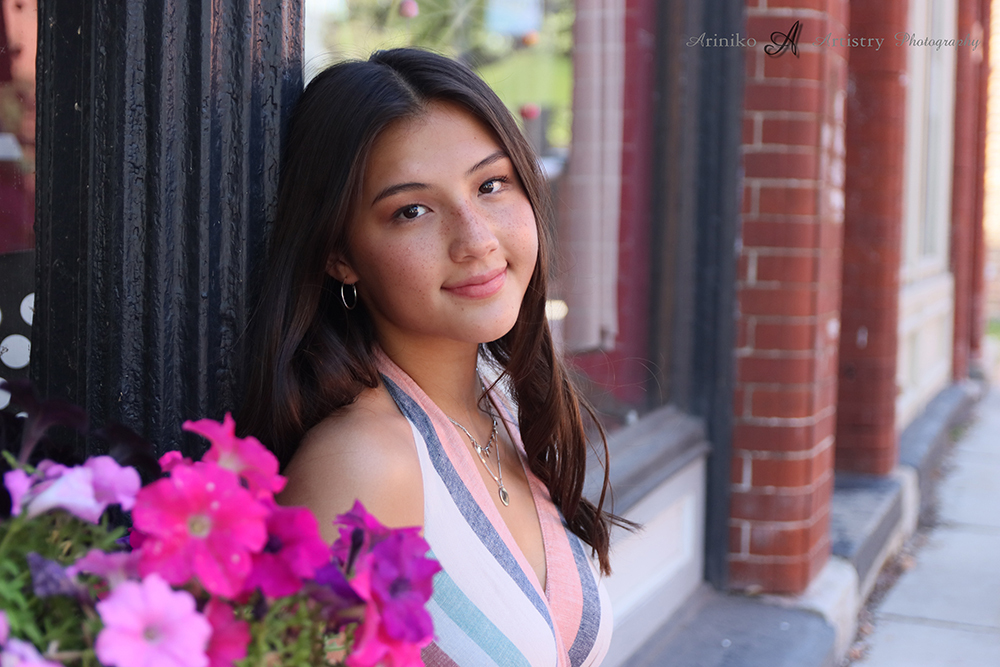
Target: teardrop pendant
[(504, 497)]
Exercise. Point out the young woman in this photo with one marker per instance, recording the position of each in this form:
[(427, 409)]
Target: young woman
[(401, 355)]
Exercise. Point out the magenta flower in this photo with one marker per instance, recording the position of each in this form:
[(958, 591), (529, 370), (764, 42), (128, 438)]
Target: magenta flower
[(148, 624), (18, 653), (4, 628), (230, 635), (115, 567), (373, 648), (200, 521), (172, 459), (244, 456), (293, 552)]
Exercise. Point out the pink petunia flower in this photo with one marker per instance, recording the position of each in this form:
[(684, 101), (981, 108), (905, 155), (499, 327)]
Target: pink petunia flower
[(373, 648), (71, 489), (115, 567), (244, 456), (200, 521), (18, 653), (148, 624), (293, 552), (113, 484), (4, 628), (85, 491), (172, 459), (230, 635), (18, 483)]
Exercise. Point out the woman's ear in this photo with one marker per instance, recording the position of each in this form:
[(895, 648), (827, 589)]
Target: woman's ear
[(338, 269)]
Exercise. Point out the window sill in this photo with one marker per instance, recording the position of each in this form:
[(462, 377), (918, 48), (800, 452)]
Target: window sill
[(645, 454)]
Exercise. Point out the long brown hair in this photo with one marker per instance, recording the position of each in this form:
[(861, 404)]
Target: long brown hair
[(308, 358)]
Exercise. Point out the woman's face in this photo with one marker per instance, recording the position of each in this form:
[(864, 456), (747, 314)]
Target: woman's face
[(443, 241)]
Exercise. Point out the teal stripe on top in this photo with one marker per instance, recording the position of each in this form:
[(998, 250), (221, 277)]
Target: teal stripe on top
[(468, 620)]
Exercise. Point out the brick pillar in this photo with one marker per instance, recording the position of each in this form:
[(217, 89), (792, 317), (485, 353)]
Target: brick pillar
[(789, 298), (965, 169), (873, 229), (978, 314)]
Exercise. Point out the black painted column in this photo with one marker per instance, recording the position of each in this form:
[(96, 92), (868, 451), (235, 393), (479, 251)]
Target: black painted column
[(159, 132)]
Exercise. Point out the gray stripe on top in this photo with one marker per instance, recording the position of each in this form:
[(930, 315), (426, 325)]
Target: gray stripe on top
[(590, 624)]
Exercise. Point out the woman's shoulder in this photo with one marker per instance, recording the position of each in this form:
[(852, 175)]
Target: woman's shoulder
[(363, 451)]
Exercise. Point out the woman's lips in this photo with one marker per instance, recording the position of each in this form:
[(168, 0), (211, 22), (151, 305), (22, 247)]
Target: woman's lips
[(481, 286)]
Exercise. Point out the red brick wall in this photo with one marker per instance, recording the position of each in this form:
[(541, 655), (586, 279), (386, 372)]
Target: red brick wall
[(789, 298), (873, 229), (964, 182), (978, 314)]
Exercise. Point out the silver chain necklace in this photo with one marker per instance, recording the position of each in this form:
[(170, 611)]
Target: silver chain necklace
[(483, 452)]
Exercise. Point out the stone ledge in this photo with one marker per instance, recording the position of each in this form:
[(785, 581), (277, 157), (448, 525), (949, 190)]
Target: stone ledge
[(716, 629), (646, 454), (922, 443), (865, 512)]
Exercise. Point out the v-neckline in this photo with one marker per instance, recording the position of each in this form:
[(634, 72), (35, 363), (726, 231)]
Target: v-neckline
[(482, 493)]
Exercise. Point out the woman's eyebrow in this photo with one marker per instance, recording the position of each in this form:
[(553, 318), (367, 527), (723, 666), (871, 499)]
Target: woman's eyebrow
[(497, 155), (399, 187)]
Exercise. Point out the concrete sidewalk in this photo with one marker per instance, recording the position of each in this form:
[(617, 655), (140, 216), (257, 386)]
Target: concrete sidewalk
[(945, 611)]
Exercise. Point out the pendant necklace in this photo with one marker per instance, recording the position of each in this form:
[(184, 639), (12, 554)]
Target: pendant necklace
[(482, 452)]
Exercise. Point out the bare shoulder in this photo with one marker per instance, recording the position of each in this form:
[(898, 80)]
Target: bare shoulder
[(364, 451)]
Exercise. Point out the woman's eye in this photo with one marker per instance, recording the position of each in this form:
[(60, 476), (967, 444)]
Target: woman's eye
[(411, 212), (492, 185)]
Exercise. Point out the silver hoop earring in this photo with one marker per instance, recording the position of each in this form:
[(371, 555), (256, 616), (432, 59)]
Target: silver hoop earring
[(354, 296)]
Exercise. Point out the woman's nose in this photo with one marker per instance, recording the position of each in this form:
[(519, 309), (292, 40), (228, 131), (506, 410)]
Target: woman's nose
[(473, 234)]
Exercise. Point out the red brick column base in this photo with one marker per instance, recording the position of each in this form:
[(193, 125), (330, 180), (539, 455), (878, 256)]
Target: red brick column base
[(789, 298)]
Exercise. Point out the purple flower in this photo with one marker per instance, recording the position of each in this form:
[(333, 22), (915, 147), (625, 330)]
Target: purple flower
[(17, 653), (114, 567), (401, 584), (394, 578), (49, 578), (339, 603), (359, 530)]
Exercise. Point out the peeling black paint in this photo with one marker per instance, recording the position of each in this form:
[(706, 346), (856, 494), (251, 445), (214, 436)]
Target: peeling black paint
[(159, 133)]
